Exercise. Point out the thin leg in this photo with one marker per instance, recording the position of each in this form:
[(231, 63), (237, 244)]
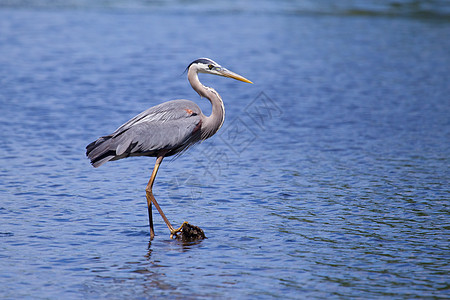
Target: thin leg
[(151, 199), (149, 195), (150, 217)]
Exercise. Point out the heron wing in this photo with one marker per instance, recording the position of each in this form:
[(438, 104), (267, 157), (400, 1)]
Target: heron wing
[(148, 138), (172, 126), (167, 111)]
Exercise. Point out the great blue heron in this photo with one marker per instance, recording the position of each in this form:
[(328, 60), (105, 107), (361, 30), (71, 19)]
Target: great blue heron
[(165, 129)]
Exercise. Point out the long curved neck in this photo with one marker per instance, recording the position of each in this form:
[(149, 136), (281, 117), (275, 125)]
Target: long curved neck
[(210, 124)]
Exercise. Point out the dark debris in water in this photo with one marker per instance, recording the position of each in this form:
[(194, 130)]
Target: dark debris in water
[(190, 233)]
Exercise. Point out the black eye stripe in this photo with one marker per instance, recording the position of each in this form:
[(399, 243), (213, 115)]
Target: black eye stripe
[(210, 67)]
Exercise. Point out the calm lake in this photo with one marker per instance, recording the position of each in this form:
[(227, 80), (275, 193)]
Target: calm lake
[(328, 180)]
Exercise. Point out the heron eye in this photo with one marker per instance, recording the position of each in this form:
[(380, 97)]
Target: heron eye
[(210, 67)]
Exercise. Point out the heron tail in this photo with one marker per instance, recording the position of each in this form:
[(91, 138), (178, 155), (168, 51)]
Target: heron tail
[(101, 151)]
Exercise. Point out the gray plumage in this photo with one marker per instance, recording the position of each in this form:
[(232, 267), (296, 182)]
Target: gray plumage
[(168, 128), (164, 130), (173, 125)]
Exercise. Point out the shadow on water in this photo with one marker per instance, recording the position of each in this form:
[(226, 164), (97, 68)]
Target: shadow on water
[(185, 245)]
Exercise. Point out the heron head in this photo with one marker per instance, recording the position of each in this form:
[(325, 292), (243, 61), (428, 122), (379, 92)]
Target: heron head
[(208, 66)]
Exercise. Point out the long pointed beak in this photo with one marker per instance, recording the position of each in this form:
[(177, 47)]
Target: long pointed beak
[(227, 73)]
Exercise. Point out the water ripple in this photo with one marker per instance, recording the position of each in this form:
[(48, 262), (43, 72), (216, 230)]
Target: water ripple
[(341, 192)]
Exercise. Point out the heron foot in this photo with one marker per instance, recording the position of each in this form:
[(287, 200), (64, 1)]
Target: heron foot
[(173, 232)]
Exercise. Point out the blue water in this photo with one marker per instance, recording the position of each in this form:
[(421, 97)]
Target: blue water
[(329, 178)]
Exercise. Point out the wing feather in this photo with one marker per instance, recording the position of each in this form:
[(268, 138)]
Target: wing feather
[(172, 126)]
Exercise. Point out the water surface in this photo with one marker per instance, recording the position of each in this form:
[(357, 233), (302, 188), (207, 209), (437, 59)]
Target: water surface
[(329, 178)]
